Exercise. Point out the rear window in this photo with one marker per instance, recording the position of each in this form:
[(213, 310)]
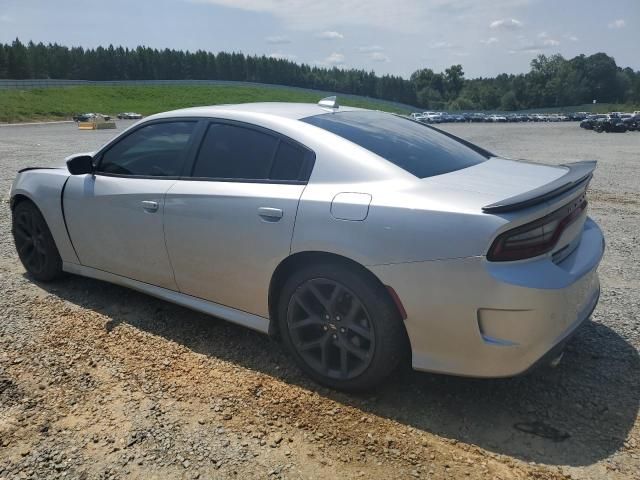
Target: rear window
[(414, 147)]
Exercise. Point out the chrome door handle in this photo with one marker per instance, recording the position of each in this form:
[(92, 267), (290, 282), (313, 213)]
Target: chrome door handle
[(269, 214), (150, 206)]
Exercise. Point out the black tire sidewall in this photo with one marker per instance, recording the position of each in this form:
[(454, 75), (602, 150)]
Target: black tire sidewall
[(391, 343), (53, 262)]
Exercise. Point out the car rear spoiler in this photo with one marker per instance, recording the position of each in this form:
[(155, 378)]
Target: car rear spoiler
[(578, 174)]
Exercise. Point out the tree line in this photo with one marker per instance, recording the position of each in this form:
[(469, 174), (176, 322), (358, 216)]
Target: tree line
[(553, 81)]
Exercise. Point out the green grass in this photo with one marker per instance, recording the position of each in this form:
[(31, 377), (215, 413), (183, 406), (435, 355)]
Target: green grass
[(64, 102)]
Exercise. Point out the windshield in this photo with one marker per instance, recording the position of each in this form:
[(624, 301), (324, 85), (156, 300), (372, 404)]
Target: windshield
[(414, 147)]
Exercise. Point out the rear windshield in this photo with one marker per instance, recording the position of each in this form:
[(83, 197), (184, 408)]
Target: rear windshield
[(414, 147)]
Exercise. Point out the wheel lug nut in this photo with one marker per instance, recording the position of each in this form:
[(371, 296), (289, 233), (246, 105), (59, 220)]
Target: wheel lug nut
[(335, 336), (343, 330), (326, 317), (338, 318), (325, 328)]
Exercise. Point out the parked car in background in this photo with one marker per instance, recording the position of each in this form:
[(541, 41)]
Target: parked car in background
[(83, 117), (497, 118), (610, 124), (198, 207), (129, 116), (589, 122)]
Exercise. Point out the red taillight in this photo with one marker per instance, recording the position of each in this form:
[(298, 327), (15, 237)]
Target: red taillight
[(535, 238)]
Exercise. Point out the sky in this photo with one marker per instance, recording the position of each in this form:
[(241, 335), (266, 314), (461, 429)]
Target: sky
[(486, 37)]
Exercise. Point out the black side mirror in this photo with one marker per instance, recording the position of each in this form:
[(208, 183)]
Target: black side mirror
[(80, 165)]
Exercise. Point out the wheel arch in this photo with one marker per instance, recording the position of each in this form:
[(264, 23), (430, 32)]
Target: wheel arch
[(300, 259)]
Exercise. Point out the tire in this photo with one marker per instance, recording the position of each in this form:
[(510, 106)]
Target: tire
[(42, 259), (341, 326)]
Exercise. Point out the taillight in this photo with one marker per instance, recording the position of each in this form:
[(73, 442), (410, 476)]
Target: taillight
[(535, 238)]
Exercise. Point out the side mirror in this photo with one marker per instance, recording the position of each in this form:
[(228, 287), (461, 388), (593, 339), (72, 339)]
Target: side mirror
[(80, 165)]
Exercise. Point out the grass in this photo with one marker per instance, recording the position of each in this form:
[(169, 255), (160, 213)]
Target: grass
[(63, 103)]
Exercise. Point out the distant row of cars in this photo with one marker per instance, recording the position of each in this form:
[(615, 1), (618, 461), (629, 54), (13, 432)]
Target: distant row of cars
[(613, 122), (89, 117), (444, 117)]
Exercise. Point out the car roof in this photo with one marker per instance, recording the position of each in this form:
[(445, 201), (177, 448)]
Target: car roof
[(294, 111)]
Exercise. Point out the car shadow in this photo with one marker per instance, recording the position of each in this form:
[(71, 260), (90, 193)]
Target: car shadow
[(576, 414)]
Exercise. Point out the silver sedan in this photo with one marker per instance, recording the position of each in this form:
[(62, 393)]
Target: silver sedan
[(361, 239)]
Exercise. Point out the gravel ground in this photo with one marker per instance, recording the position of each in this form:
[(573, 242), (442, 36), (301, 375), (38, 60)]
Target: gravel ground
[(100, 382)]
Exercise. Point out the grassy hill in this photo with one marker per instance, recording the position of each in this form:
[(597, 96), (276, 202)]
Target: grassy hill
[(62, 103)]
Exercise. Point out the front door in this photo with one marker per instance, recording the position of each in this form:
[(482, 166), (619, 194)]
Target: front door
[(115, 217)]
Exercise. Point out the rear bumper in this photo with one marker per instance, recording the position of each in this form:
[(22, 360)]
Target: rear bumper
[(472, 317)]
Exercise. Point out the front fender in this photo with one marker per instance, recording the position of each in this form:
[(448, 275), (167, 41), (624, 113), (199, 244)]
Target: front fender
[(44, 187)]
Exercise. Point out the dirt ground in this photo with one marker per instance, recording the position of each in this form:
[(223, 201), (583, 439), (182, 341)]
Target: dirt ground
[(99, 382)]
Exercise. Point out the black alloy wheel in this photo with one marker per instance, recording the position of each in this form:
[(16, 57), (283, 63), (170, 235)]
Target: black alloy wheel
[(35, 245), (331, 329)]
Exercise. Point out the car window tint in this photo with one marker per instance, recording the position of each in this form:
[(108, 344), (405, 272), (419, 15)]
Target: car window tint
[(230, 151), (289, 162), (156, 150), (416, 148)]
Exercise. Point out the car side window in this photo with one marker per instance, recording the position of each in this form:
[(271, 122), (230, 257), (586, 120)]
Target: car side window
[(156, 150), (290, 163), (232, 152)]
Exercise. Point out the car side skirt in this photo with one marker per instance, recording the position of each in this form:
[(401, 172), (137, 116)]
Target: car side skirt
[(239, 317)]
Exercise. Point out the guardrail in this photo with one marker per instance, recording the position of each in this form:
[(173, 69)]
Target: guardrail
[(49, 83)]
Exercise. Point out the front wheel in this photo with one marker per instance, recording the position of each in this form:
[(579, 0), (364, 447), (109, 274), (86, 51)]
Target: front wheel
[(341, 326), (34, 243)]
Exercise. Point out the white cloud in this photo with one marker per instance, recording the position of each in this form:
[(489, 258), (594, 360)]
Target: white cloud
[(378, 57), (506, 24), (620, 23), (330, 35), (570, 37), (334, 59), (277, 39), (442, 45), (6, 19), (403, 16), (550, 42), (283, 56), (370, 48), (489, 41)]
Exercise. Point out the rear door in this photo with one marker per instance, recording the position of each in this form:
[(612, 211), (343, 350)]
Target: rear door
[(114, 217), (230, 224)]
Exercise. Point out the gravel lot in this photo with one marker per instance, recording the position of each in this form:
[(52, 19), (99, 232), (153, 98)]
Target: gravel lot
[(100, 382)]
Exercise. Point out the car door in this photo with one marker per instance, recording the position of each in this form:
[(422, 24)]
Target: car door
[(114, 216), (230, 224)]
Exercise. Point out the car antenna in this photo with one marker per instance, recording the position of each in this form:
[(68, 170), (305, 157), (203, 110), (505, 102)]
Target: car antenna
[(329, 102)]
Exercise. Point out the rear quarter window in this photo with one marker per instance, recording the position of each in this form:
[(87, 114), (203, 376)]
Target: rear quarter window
[(416, 148)]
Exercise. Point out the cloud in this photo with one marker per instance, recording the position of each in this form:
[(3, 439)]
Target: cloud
[(370, 48), (405, 15), (277, 39), (283, 56), (620, 23), (442, 45), (489, 41), (330, 35), (506, 24), (570, 37), (378, 57), (334, 59), (536, 47), (6, 19)]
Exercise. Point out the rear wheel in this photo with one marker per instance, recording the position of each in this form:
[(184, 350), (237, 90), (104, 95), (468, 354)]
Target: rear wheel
[(341, 326), (34, 243)]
